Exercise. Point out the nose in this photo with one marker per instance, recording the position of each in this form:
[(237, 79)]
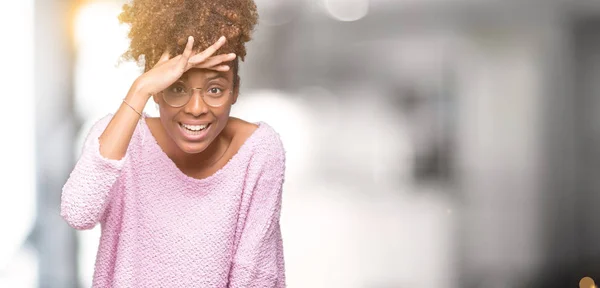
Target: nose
[(196, 105)]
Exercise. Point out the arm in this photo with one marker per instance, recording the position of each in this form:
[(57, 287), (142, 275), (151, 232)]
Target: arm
[(258, 261), (86, 193)]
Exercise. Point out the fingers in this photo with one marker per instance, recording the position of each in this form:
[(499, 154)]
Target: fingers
[(215, 60), (187, 53), (202, 56), (220, 68), (164, 57)]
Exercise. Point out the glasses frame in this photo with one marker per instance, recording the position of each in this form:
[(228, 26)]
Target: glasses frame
[(192, 95)]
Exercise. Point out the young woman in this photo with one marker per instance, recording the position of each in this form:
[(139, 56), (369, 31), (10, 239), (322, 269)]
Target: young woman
[(191, 198)]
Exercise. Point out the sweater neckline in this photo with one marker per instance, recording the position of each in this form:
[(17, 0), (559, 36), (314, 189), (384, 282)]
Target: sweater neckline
[(211, 178)]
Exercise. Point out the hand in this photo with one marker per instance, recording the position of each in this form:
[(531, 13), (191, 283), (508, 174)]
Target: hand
[(168, 70)]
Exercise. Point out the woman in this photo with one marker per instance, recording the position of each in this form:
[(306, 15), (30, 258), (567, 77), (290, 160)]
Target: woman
[(191, 198)]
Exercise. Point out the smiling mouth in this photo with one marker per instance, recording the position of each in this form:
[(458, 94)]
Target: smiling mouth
[(194, 129)]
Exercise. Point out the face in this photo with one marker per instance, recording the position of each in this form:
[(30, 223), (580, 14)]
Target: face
[(182, 123)]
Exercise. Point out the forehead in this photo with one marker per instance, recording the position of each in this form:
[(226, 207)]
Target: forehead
[(196, 74)]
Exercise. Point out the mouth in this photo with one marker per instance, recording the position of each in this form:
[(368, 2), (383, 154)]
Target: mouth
[(194, 132)]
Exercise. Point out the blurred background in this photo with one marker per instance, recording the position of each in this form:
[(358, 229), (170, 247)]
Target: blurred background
[(431, 143)]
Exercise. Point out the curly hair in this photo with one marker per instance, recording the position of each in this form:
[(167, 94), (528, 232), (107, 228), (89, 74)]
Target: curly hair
[(157, 25)]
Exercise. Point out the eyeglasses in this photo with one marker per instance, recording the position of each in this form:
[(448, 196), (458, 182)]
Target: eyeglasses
[(179, 94)]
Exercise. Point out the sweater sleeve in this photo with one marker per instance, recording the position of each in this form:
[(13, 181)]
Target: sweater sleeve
[(87, 192), (258, 260)]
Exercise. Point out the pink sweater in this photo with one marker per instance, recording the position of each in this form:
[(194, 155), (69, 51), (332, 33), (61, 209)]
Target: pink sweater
[(162, 228)]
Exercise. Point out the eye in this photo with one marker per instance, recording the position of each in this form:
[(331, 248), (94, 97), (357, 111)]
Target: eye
[(215, 90), (177, 88)]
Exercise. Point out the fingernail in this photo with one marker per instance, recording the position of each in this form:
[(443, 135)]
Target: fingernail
[(231, 54), (222, 38), (191, 38)]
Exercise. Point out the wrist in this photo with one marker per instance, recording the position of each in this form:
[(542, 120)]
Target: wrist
[(139, 92)]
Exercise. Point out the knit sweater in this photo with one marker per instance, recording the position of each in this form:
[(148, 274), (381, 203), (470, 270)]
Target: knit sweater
[(162, 228)]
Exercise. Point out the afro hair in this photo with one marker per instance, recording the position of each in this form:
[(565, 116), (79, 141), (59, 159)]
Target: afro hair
[(159, 25)]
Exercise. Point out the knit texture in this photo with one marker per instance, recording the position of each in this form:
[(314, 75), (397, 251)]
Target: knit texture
[(162, 228)]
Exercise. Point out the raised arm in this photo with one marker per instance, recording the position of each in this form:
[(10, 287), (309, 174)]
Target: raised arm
[(86, 193)]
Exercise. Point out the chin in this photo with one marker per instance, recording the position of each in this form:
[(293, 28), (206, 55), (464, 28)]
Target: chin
[(192, 148)]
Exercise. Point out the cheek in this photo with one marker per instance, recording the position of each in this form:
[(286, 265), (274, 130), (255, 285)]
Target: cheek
[(222, 112), (222, 116), (167, 116), (166, 112)]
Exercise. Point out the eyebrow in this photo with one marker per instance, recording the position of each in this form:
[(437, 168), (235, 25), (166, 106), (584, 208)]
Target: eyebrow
[(217, 76)]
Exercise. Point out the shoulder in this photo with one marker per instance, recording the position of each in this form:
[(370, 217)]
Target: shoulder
[(270, 152), (101, 123), (98, 127), (239, 130), (270, 142), (264, 143)]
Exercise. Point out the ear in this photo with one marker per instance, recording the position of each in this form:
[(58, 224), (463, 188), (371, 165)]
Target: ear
[(236, 89), (235, 96)]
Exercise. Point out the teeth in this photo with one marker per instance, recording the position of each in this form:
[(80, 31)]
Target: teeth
[(194, 127)]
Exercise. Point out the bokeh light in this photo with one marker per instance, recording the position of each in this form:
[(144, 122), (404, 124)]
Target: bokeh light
[(347, 10)]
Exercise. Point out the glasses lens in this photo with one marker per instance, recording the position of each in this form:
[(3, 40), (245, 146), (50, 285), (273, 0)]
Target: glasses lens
[(176, 95), (216, 97)]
